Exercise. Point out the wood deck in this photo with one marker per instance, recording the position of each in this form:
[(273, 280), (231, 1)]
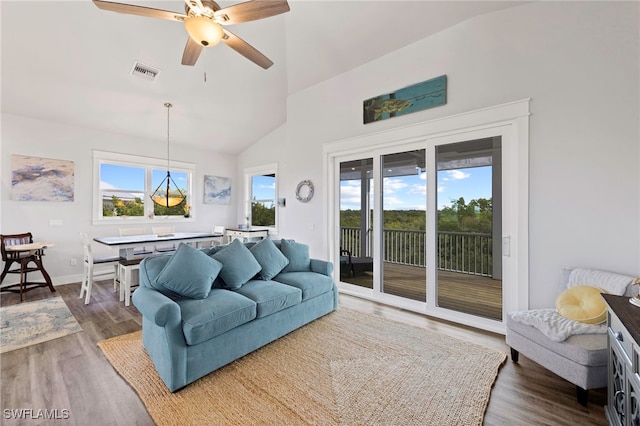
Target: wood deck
[(466, 293)]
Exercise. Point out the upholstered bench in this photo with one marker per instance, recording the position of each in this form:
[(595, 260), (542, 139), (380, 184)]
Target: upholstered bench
[(581, 358)]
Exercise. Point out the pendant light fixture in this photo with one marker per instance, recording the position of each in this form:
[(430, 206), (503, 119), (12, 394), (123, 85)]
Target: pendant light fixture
[(161, 197)]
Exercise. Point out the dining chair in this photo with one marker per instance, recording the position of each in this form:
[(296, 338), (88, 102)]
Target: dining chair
[(135, 231), (160, 231), (23, 259), (220, 230), (89, 272)]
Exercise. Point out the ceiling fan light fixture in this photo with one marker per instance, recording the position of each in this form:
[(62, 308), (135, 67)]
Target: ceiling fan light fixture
[(204, 31)]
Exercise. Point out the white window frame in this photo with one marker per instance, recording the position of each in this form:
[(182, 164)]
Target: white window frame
[(249, 173), (148, 164)]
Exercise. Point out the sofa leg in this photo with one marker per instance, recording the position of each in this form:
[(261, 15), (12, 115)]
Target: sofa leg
[(583, 395), (514, 355)]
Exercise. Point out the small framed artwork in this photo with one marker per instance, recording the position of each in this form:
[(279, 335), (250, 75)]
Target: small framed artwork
[(217, 190), (41, 179)]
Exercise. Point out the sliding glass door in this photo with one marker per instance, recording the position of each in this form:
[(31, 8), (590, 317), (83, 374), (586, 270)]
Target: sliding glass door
[(386, 237), (356, 222), (469, 227), (404, 202)]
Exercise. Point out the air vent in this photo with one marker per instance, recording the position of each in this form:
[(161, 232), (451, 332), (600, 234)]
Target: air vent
[(145, 71)]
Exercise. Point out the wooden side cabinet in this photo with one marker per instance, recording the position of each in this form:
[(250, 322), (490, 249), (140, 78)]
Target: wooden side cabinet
[(623, 393)]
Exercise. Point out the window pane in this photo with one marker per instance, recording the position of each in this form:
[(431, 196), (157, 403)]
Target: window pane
[(178, 183), (121, 190), (263, 200)]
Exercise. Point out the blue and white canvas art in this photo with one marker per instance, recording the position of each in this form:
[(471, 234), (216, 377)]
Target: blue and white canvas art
[(41, 179), (217, 190)]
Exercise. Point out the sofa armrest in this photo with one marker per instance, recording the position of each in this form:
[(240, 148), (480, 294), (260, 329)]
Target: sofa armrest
[(156, 307), (322, 267)]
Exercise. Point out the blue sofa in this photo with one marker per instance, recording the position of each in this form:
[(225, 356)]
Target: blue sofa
[(202, 309)]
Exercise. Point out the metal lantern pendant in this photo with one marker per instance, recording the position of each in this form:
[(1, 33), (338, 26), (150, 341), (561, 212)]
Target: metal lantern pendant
[(166, 199)]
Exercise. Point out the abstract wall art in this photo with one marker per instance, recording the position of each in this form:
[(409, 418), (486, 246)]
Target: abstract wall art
[(217, 190), (41, 179), (428, 94)]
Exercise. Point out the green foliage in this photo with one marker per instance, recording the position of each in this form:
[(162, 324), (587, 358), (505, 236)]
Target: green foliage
[(476, 216), (461, 217), (135, 207), (262, 215)]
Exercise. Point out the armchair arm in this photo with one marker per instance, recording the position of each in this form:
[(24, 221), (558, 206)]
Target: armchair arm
[(156, 307), (322, 267)]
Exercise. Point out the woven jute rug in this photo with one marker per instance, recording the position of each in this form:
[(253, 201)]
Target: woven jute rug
[(347, 368), (31, 323)]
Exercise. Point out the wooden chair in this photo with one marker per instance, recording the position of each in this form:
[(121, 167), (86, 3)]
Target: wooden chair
[(23, 259), (135, 231), (89, 273), (164, 230), (220, 230)]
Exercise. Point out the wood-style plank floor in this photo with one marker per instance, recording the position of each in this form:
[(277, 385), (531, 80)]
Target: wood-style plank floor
[(71, 373)]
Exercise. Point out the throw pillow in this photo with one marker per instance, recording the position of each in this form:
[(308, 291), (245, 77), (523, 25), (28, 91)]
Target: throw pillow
[(189, 272), (269, 257), (238, 264), (582, 303), (298, 255)]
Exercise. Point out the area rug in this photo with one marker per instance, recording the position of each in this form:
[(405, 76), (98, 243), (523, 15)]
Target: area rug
[(31, 323), (347, 368)]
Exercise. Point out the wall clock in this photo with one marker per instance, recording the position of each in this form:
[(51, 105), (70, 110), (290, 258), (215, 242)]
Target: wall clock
[(304, 191)]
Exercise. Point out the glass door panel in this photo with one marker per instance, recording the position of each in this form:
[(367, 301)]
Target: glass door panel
[(356, 222), (469, 257), (404, 203)]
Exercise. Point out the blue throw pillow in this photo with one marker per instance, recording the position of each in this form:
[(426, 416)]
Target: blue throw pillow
[(298, 255), (269, 257), (189, 272), (238, 264)]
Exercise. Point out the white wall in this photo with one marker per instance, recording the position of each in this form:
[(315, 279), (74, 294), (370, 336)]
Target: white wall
[(578, 61), (26, 136)]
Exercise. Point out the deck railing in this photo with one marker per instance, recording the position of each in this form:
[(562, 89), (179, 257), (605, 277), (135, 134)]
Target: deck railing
[(464, 252)]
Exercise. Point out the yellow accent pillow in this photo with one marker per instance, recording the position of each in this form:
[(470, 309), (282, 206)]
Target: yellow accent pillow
[(582, 303)]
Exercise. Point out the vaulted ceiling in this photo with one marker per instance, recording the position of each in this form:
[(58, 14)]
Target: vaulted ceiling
[(70, 62)]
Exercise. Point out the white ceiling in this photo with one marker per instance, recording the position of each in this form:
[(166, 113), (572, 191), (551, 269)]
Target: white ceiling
[(70, 62)]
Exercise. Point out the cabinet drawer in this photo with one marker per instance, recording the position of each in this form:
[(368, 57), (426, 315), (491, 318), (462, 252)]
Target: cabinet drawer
[(620, 336)]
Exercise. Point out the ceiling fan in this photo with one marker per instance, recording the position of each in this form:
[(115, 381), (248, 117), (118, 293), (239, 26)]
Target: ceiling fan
[(204, 20)]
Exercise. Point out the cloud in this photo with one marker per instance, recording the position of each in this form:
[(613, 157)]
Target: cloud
[(455, 175), (105, 185)]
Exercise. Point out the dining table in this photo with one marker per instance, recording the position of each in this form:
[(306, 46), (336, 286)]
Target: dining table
[(126, 244)]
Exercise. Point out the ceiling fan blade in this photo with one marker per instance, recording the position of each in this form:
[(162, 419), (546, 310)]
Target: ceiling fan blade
[(250, 11), (191, 52), (140, 10), (245, 49)]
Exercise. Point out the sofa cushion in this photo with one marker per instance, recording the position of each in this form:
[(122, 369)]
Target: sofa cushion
[(312, 284), (189, 272), (298, 255), (269, 257), (238, 264), (270, 296), (223, 310), (582, 303)]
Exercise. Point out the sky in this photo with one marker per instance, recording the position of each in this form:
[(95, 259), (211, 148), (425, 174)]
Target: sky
[(409, 192), (132, 178)]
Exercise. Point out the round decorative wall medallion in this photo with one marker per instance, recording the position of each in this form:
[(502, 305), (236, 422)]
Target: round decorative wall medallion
[(304, 191)]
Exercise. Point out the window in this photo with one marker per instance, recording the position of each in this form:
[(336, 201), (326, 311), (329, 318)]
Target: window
[(262, 196), (123, 185)]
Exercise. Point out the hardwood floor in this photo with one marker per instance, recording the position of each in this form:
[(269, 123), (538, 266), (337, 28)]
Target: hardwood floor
[(472, 294), (71, 373)]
